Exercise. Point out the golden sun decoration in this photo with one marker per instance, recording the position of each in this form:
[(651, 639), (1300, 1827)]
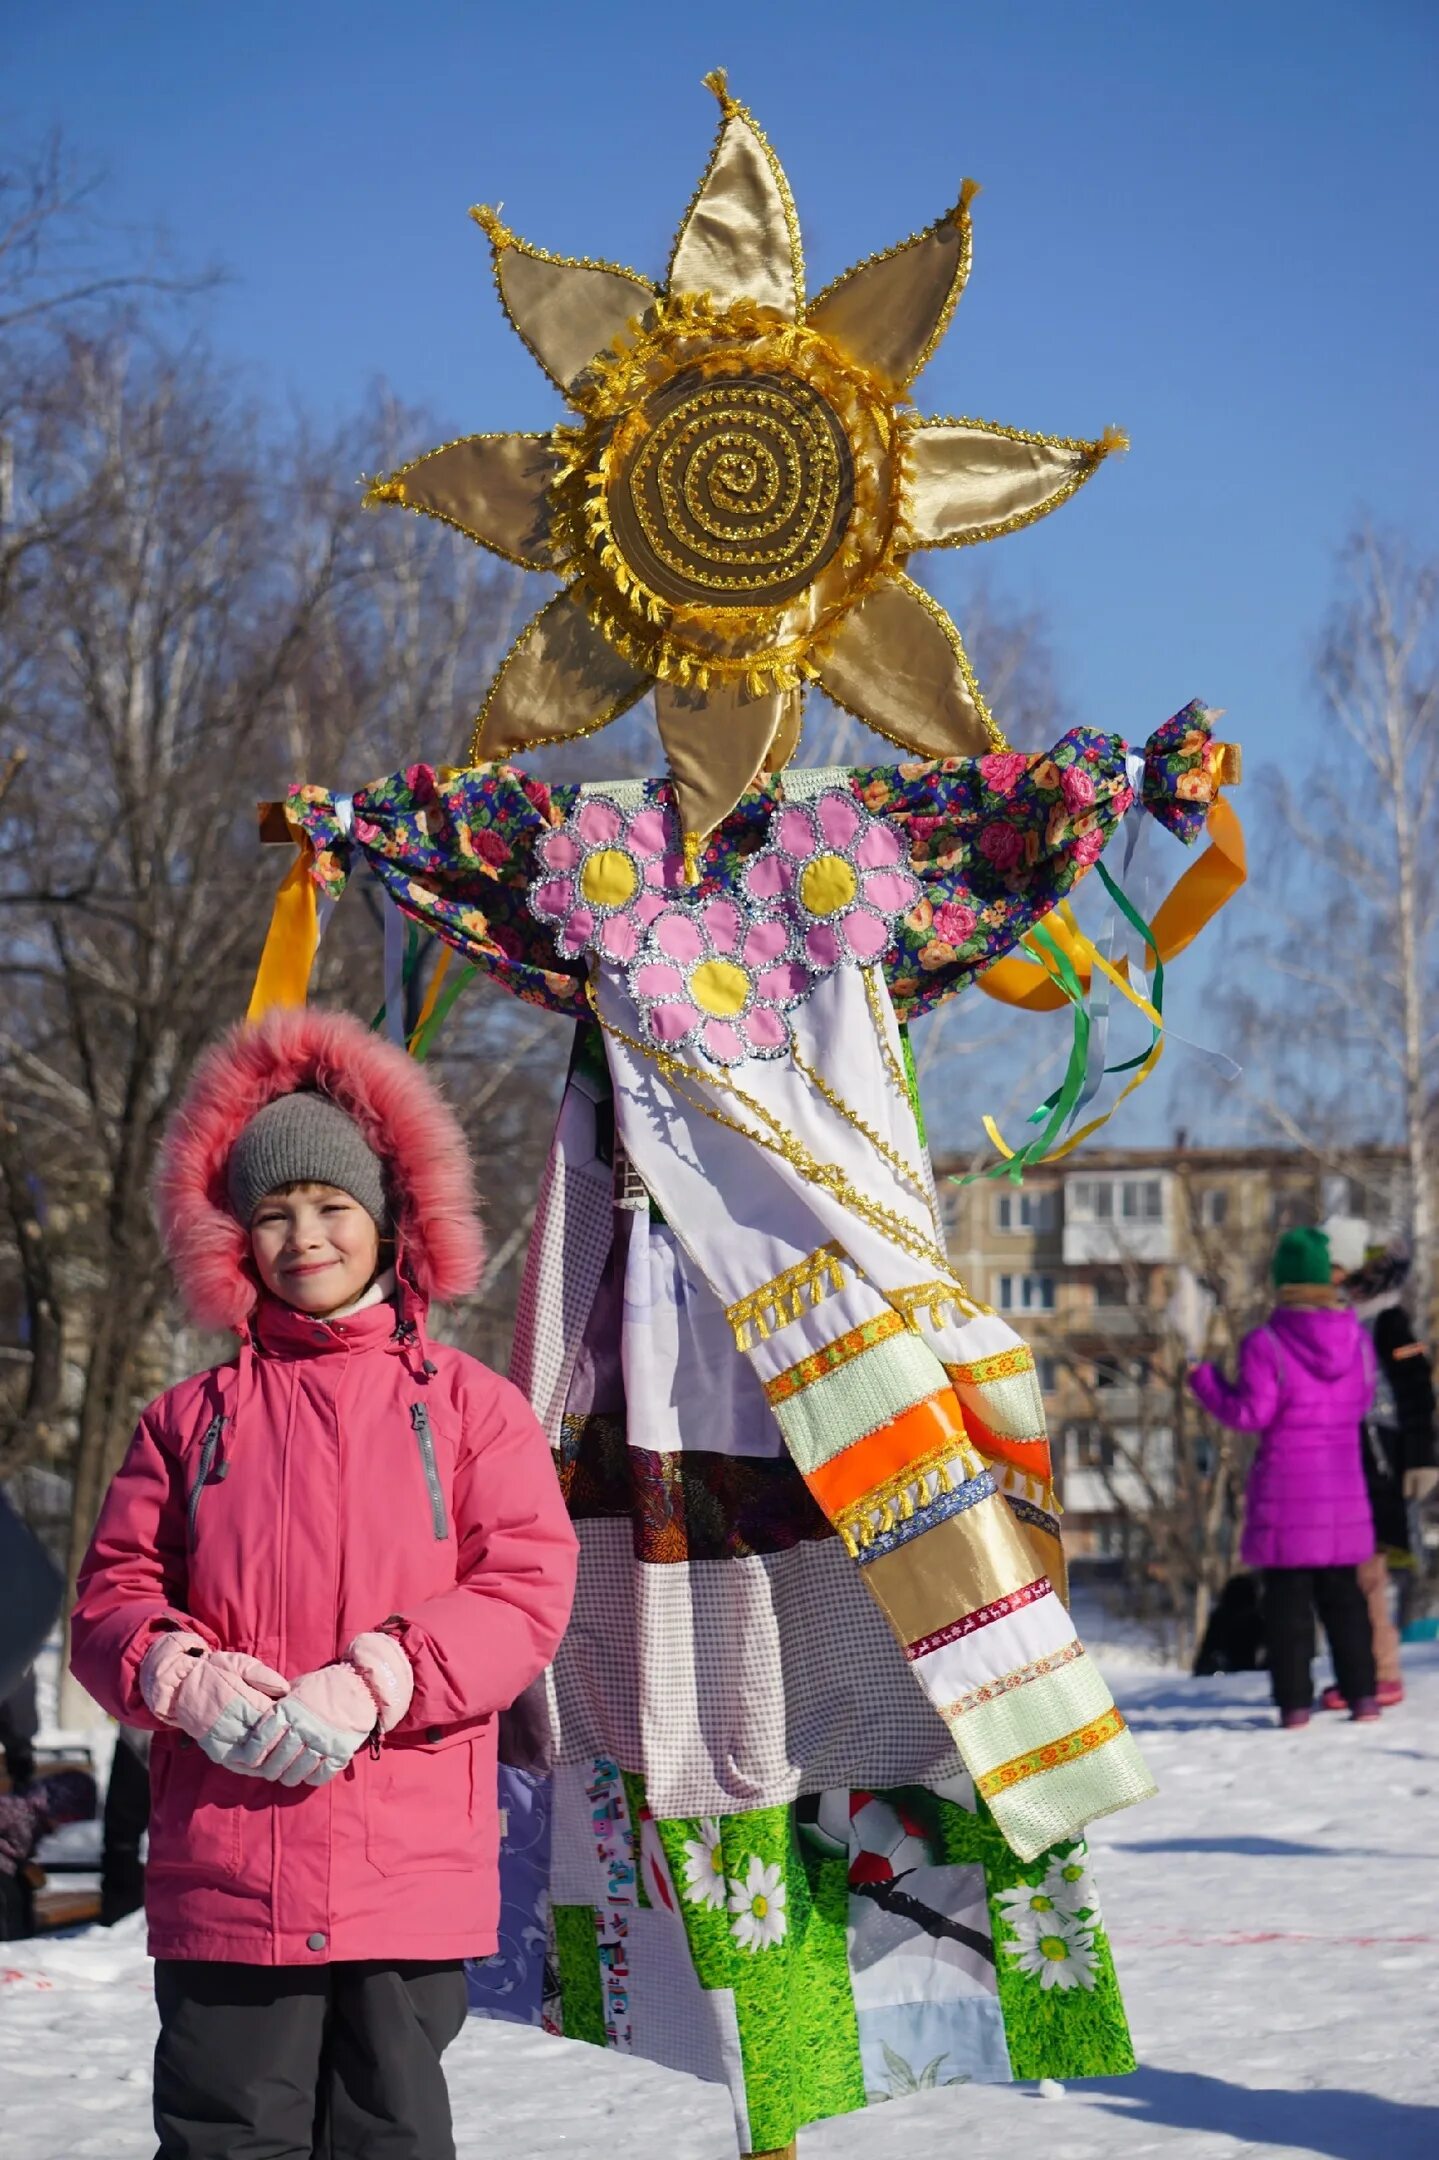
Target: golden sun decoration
[(733, 507)]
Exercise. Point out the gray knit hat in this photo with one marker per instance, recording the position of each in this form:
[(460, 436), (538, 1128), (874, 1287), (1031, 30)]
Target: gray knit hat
[(304, 1139)]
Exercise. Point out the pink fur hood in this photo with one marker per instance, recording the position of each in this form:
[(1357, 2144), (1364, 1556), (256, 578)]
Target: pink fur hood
[(397, 1107)]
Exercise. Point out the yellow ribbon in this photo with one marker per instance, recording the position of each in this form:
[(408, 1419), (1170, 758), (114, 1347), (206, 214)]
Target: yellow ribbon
[(1206, 886), (432, 996), (292, 940)]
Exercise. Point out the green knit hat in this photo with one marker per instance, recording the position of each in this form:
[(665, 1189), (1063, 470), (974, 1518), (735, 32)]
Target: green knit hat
[(1301, 1256)]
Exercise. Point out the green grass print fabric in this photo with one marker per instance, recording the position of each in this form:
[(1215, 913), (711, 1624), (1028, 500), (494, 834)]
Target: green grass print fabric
[(767, 1917)]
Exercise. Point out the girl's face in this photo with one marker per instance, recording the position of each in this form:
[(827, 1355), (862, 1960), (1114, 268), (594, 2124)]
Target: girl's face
[(315, 1248)]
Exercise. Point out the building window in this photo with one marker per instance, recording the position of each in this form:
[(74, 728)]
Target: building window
[(1141, 1200), (1026, 1211), (1026, 1293), (1213, 1207), (1111, 1288), (1091, 1200), (1291, 1209), (1047, 1373), (1088, 1447)]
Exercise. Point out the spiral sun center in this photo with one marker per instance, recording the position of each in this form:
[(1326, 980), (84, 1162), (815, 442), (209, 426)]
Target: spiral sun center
[(737, 493)]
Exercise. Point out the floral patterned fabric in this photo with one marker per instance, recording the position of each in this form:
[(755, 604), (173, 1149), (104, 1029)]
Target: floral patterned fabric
[(994, 841)]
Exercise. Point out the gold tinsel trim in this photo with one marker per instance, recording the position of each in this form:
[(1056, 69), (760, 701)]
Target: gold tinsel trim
[(932, 1298), (784, 1297), (693, 334), (501, 239), (391, 489), (618, 705), (958, 215), (1112, 443), (717, 82)]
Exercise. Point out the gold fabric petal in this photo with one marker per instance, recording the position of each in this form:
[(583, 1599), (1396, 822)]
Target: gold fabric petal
[(565, 310), (890, 312), (897, 664), (785, 741), (495, 488), (740, 237), (716, 742), (559, 679), (971, 480)]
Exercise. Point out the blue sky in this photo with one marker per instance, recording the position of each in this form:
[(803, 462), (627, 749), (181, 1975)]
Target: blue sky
[(1211, 226)]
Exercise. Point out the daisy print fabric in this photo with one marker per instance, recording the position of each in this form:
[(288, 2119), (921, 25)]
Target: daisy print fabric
[(711, 978), (838, 874), (605, 873)]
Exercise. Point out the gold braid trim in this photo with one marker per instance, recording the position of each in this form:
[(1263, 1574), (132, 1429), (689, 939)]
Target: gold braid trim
[(778, 1140), (933, 1298), (783, 1297), (893, 1503), (1004, 1365), (902, 1170), (893, 1072)]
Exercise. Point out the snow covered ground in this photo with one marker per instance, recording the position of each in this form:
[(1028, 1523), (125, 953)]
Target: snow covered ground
[(1274, 1913)]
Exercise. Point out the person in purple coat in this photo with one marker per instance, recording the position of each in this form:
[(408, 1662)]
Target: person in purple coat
[(1306, 1378)]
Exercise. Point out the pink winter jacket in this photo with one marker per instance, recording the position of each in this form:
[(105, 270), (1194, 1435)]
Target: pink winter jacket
[(339, 1473)]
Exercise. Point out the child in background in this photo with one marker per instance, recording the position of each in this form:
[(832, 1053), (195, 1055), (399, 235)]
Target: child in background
[(321, 1572), (46, 1805), (1305, 1382)]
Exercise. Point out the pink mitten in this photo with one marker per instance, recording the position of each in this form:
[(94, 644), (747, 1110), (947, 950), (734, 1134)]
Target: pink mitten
[(331, 1713), (221, 1698), (387, 1672)]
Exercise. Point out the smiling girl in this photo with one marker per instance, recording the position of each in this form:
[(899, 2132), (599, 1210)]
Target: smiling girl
[(321, 1572)]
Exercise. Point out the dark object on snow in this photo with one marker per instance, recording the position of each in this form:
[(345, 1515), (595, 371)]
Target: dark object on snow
[(127, 1817), (19, 1723), (1234, 1638), (122, 1871), (65, 1796), (32, 1596), (1292, 1596), (246, 2051)]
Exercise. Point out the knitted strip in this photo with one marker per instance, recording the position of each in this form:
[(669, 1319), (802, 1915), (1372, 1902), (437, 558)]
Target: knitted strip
[(880, 1329), (1054, 1753), (957, 1629), (1013, 1727), (877, 1467), (951, 1501), (1020, 1677), (1042, 1810), (845, 1407)]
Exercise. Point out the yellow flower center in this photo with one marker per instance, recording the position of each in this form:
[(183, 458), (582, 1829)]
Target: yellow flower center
[(608, 878), (1054, 1947), (1040, 1903), (719, 988), (826, 884), (760, 1907)]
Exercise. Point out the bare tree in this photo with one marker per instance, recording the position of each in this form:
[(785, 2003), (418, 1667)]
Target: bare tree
[(1339, 1022)]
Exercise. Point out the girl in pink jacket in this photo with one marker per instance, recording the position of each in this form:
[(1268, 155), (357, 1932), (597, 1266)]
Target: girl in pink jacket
[(321, 1572)]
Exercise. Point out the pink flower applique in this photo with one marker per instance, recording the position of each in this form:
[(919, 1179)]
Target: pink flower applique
[(713, 978), (605, 874), (837, 874)]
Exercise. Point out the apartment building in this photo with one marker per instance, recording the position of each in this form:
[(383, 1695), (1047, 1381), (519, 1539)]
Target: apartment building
[(1086, 1259)]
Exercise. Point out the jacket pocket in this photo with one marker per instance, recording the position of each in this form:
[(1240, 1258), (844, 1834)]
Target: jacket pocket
[(205, 1472), (197, 1824), (429, 1463), (423, 1814)]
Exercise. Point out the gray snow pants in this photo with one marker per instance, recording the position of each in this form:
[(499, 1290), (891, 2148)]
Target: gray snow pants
[(284, 2062)]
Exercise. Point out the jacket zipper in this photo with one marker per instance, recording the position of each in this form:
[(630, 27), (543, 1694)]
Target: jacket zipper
[(208, 1447), (424, 1434)]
